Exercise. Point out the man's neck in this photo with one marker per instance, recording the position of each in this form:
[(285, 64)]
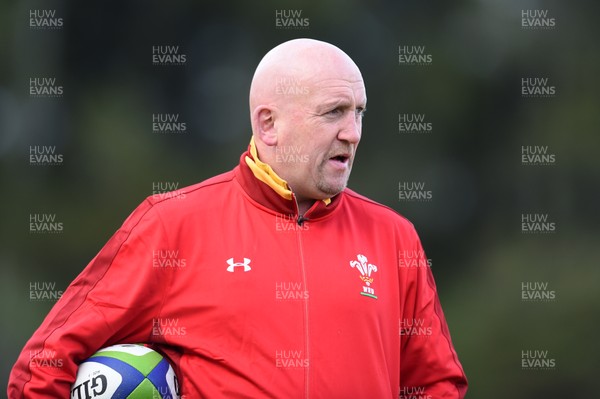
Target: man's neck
[(304, 205)]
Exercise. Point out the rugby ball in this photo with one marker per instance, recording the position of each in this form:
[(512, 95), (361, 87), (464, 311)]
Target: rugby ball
[(129, 371)]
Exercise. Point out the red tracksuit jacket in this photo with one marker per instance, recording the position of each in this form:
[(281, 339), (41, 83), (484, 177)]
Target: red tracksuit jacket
[(247, 302)]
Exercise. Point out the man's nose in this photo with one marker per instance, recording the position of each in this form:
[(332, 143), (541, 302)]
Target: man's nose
[(351, 129)]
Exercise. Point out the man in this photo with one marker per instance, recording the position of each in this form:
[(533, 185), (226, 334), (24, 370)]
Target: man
[(282, 282)]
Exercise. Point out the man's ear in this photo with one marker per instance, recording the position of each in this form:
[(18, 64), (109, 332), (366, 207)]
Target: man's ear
[(263, 121)]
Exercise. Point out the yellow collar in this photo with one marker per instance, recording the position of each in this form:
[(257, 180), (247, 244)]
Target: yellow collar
[(267, 175)]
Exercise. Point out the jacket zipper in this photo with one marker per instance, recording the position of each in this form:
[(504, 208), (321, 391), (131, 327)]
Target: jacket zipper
[(301, 220)]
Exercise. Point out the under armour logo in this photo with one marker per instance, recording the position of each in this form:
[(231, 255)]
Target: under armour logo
[(233, 265)]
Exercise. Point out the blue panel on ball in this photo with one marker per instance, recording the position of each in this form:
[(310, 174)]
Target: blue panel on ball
[(131, 376), (158, 378)]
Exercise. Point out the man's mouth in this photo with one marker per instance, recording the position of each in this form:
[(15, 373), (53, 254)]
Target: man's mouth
[(340, 160)]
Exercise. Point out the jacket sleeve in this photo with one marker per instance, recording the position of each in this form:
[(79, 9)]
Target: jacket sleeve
[(112, 301), (429, 364)]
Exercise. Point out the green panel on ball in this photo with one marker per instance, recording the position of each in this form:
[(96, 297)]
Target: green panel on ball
[(144, 364), (145, 390)]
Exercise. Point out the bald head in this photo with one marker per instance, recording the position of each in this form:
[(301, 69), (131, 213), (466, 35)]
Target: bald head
[(286, 71), (307, 100)]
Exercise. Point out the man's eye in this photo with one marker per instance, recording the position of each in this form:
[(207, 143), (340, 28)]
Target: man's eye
[(360, 111), (334, 112)]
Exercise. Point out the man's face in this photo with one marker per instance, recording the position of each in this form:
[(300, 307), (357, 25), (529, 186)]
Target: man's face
[(318, 134)]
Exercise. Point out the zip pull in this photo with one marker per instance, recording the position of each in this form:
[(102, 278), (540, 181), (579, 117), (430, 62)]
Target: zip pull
[(301, 219)]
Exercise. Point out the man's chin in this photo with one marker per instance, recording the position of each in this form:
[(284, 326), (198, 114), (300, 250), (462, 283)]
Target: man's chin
[(331, 190)]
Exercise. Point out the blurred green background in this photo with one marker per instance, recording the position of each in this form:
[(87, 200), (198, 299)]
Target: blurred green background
[(471, 159)]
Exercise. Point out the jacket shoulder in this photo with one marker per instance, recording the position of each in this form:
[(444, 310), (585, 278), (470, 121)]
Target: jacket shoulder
[(196, 191), (199, 198), (377, 212), (208, 185)]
